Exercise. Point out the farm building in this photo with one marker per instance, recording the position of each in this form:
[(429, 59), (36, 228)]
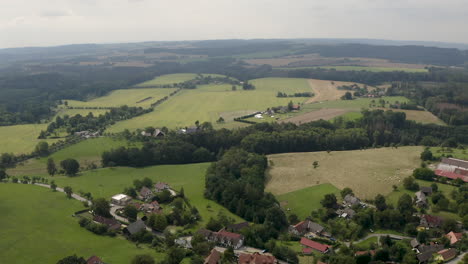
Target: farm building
[(446, 254), (134, 227), (427, 251), (256, 258), (431, 221), (223, 238), (453, 169), (305, 227), (310, 246), (346, 213), (120, 199), (426, 190), (351, 200), (111, 223)]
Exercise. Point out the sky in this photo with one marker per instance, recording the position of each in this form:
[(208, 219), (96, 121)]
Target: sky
[(57, 22)]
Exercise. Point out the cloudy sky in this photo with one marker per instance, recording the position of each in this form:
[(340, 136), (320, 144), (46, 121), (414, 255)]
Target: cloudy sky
[(55, 22)]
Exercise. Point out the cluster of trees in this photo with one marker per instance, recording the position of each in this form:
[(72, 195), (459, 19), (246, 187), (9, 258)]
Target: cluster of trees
[(303, 94), (98, 229)]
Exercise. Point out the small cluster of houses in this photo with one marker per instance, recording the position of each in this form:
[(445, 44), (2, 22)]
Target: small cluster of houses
[(426, 252), (87, 134), (307, 230), (156, 134), (242, 258), (453, 169), (144, 194), (345, 210), (420, 198)]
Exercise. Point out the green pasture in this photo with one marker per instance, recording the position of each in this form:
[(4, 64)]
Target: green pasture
[(168, 79), (21, 139), (38, 227), (455, 152), (358, 68)]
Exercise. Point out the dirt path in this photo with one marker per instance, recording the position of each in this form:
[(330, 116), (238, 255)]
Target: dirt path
[(325, 114)]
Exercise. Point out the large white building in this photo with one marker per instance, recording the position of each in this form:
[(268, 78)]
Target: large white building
[(120, 199)]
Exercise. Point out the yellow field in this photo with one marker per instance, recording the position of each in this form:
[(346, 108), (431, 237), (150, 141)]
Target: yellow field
[(209, 102), (367, 172), (21, 139), (327, 90), (131, 97)]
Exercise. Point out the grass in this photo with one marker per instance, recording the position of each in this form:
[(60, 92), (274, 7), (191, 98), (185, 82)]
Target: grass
[(107, 182), (209, 102), (21, 139), (358, 68), (294, 202), (368, 172), (168, 79), (86, 152), (130, 97), (72, 112), (38, 227), (455, 152), (367, 243)]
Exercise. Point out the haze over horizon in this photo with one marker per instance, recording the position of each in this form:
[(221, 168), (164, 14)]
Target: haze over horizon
[(26, 23)]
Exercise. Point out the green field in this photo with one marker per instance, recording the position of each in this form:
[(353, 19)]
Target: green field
[(209, 102), (367, 243), (358, 68), (21, 139), (131, 97), (72, 112), (86, 152), (455, 152), (110, 181), (303, 202), (368, 172), (38, 227), (168, 79)]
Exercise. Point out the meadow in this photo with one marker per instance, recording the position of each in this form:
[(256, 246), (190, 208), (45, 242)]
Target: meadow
[(131, 97), (368, 172), (21, 139), (38, 227), (358, 68), (302, 202), (455, 152), (209, 102), (107, 182), (168, 79)]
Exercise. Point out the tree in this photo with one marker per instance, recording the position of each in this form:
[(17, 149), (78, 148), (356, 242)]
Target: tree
[(228, 256), (275, 217), (53, 186), (101, 207), (347, 96), (233, 88), (346, 191), (143, 259), (380, 202), (3, 174), (405, 205), (213, 225), (51, 168), (329, 201), (422, 237), (160, 222), (131, 212), (426, 155), (315, 164), (71, 166), (290, 106), (72, 260), (435, 187), (68, 190), (410, 184), (42, 148)]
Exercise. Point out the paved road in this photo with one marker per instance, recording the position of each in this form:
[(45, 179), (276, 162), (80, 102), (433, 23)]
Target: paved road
[(114, 214), (379, 235)]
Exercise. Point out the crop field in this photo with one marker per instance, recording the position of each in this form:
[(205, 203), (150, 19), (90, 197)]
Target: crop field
[(168, 79), (39, 222), (131, 97), (21, 139), (209, 102), (302, 202), (368, 172), (361, 68), (327, 90), (86, 152), (110, 181)]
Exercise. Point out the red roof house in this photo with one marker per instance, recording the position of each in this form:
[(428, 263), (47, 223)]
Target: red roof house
[(454, 237), (256, 258), (214, 257), (451, 175), (312, 245), (94, 260)]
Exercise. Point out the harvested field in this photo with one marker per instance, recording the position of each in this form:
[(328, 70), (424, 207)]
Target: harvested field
[(325, 114), (327, 90), (368, 172), (424, 117)]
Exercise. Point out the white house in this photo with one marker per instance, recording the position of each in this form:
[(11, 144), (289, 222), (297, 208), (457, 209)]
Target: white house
[(120, 199)]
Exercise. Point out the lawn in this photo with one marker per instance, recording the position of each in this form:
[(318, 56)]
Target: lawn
[(360, 68), (131, 97), (367, 243), (86, 152), (38, 227), (21, 139), (368, 172), (455, 152), (168, 79), (302, 202), (209, 102), (109, 181)]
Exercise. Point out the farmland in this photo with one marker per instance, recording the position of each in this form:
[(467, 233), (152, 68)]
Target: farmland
[(109, 181), (131, 97), (361, 68), (326, 90), (40, 223), (294, 202), (367, 172), (209, 102), (21, 139), (168, 79)]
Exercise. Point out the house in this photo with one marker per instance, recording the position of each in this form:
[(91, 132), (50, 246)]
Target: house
[(120, 199), (420, 199), (451, 175), (135, 227), (433, 248), (94, 260), (350, 200), (185, 242), (304, 227), (426, 190), (158, 133), (213, 258), (111, 223), (424, 257), (454, 237), (296, 107), (161, 186), (446, 254), (87, 134), (145, 193), (310, 245), (431, 221), (256, 258), (237, 227), (453, 169), (223, 238), (414, 243), (150, 208), (188, 130), (346, 213)]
